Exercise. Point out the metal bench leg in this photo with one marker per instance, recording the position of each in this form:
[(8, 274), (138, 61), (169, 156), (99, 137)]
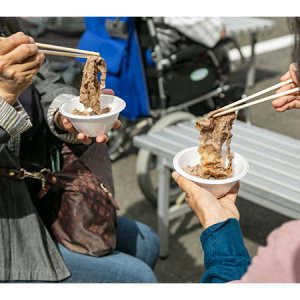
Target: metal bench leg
[(163, 206), (252, 69)]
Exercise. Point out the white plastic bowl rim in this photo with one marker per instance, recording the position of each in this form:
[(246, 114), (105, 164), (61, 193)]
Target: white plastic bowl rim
[(112, 112), (209, 181)]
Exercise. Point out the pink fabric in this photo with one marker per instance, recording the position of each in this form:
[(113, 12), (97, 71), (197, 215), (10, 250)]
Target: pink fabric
[(279, 260)]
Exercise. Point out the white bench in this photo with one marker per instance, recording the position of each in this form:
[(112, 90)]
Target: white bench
[(273, 180), (239, 26)]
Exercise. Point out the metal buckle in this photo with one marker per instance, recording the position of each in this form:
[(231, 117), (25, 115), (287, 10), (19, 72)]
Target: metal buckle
[(35, 175)]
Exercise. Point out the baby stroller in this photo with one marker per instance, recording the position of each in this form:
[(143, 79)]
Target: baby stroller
[(159, 91)]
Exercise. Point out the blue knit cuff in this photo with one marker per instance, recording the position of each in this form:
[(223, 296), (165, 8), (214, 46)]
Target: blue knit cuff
[(225, 255), (224, 238), (208, 231)]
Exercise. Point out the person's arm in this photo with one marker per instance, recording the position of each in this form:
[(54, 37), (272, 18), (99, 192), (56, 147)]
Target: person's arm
[(19, 62), (279, 260), (225, 256), (13, 120)]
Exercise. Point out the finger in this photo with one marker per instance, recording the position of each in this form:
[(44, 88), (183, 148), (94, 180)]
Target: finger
[(282, 101), (24, 72), (117, 125), (32, 61), (13, 41), (108, 92), (68, 126), (186, 185), (22, 52), (286, 76), (84, 139), (102, 139), (286, 87), (28, 75), (232, 193), (289, 105), (175, 175)]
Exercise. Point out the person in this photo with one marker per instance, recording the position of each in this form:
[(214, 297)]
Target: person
[(30, 123), (226, 258)]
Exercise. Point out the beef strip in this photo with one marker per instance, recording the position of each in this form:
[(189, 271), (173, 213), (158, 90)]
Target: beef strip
[(90, 89), (213, 133)]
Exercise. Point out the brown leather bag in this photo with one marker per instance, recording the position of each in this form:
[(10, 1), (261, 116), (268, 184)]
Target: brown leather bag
[(85, 218)]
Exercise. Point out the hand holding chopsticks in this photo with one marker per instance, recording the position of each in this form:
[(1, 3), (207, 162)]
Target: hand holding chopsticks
[(63, 51), (227, 109)]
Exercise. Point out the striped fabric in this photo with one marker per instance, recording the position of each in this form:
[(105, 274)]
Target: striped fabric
[(204, 30), (13, 119), (56, 103)]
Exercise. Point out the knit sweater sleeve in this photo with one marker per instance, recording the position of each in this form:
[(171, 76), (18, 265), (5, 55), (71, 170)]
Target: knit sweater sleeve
[(225, 255)]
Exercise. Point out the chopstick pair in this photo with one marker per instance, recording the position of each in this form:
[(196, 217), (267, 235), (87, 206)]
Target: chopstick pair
[(71, 51), (227, 109)]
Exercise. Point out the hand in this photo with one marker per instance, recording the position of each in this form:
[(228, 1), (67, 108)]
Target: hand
[(208, 209), (289, 101), (19, 62), (64, 124)]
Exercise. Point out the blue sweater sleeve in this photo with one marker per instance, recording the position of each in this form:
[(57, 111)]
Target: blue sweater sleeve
[(225, 255)]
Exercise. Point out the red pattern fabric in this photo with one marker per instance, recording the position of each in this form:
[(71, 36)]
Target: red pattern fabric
[(85, 218)]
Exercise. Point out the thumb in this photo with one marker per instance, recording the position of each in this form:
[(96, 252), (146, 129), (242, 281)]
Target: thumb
[(190, 187), (184, 183)]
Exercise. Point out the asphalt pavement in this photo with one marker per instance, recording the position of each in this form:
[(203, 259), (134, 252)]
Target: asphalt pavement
[(185, 261)]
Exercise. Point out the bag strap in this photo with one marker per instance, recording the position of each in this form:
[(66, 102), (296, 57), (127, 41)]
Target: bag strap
[(11, 173), (44, 174)]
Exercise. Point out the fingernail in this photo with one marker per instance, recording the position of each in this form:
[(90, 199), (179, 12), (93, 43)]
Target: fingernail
[(295, 67), (31, 40), (176, 176)]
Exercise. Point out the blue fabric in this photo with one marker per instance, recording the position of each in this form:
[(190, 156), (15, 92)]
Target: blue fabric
[(125, 72), (132, 261), (225, 255)]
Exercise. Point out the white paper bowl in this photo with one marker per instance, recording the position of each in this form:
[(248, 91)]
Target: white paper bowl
[(93, 125), (219, 187)]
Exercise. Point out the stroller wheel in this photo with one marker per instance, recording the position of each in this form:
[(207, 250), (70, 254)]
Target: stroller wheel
[(146, 164)]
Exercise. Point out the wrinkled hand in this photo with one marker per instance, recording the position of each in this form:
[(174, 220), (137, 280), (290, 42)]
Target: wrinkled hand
[(19, 62), (208, 209), (289, 101), (65, 124)]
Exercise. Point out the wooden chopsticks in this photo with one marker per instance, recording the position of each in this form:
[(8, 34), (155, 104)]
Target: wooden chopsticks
[(227, 109), (71, 52)]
